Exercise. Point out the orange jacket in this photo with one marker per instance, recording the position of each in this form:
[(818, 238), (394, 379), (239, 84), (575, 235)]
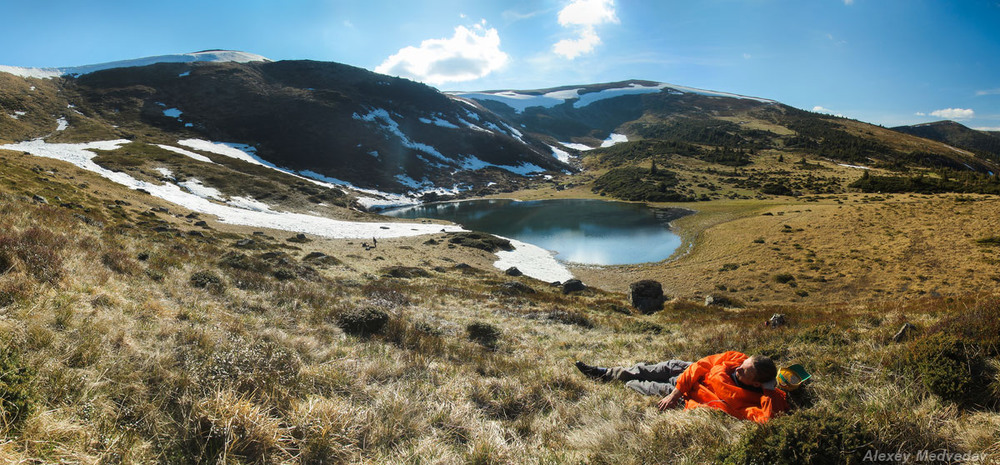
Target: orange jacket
[(709, 383)]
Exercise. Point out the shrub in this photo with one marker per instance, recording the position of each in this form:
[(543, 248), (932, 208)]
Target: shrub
[(483, 334), (362, 321), (951, 369), (206, 280), (14, 288), (784, 278), (17, 400), (478, 240), (807, 436), (37, 249)]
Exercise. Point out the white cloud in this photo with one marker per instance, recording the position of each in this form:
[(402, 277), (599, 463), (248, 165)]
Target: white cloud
[(819, 109), (920, 113), (988, 92), (988, 129), (588, 13), (584, 16), (572, 48), (747, 56), (848, 2), (469, 54), (954, 113)]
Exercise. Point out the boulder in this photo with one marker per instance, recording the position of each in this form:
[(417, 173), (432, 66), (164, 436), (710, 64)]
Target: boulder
[(573, 285), (515, 288), (513, 271), (776, 320), (647, 296)]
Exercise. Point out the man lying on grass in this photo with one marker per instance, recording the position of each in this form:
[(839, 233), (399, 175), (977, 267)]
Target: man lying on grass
[(741, 386)]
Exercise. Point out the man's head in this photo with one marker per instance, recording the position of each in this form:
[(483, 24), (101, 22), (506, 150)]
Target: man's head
[(757, 371)]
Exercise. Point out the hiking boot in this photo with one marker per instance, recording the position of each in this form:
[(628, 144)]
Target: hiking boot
[(592, 372)]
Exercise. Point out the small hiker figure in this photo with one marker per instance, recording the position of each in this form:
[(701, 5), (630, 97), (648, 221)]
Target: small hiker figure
[(374, 242)]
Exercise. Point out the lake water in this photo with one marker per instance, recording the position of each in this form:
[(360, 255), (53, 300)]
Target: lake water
[(579, 231)]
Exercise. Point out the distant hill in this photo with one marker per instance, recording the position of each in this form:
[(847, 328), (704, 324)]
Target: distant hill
[(983, 143)]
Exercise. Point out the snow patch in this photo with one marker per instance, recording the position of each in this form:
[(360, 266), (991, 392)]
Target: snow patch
[(614, 139), (172, 113), (17, 114), (186, 153), (854, 166), (165, 172), (226, 149), (580, 147), (438, 121), (384, 120), (62, 124), (184, 74), (533, 261), (82, 156), (561, 155), (473, 163)]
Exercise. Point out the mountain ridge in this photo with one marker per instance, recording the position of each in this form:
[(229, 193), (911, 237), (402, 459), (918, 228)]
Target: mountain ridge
[(379, 134)]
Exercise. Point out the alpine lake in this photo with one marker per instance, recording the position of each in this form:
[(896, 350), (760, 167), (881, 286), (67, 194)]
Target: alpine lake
[(577, 231)]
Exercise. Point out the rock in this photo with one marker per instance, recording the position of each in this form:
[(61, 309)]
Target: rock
[(299, 238), (778, 319), (201, 224), (39, 199), (573, 285), (903, 332), (513, 271), (515, 288), (320, 259), (647, 296), (406, 272)]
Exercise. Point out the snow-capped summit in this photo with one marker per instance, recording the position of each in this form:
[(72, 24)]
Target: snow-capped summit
[(206, 55), (581, 96)]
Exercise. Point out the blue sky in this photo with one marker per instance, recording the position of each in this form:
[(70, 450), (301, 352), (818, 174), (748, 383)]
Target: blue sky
[(888, 62)]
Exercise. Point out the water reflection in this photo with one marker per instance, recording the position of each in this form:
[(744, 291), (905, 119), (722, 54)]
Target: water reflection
[(579, 231)]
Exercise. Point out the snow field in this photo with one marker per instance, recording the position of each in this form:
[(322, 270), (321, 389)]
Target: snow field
[(191, 194)]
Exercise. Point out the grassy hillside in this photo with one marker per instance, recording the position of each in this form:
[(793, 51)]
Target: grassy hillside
[(131, 335)]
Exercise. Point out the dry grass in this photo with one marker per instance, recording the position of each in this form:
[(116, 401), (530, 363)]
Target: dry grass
[(133, 364)]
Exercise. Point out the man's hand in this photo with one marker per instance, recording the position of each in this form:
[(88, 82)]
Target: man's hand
[(670, 401)]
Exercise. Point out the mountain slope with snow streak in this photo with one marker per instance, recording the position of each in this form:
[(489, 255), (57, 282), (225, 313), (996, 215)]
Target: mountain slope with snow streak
[(215, 56)]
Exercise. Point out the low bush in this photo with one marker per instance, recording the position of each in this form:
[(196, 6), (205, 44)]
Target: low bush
[(37, 250), (206, 280), (784, 278), (362, 321), (477, 240), (807, 436), (483, 334), (120, 262), (17, 398), (951, 369)]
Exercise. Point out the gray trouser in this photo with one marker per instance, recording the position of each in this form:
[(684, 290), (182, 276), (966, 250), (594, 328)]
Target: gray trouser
[(651, 380)]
